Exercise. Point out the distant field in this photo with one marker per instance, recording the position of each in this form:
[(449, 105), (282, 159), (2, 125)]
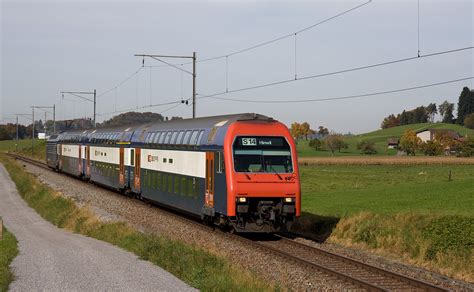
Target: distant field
[(364, 160), (9, 145), (379, 137), (343, 190)]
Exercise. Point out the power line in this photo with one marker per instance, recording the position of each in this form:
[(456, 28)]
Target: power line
[(344, 97), (336, 72), (300, 78), (275, 39), (121, 82)]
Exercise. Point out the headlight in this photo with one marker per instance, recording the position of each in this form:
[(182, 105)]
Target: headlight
[(242, 200), (288, 200)]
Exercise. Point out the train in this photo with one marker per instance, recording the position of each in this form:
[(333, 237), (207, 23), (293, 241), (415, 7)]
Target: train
[(235, 171)]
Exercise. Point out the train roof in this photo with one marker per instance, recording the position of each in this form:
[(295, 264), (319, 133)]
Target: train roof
[(138, 133)]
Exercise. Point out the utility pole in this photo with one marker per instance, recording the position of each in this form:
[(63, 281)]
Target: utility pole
[(33, 131), (19, 115), (79, 94), (157, 57), (54, 118)]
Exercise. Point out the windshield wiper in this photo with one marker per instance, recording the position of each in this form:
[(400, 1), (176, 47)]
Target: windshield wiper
[(279, 176)]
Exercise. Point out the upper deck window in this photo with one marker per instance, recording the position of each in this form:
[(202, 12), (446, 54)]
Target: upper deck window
[(262, 154)]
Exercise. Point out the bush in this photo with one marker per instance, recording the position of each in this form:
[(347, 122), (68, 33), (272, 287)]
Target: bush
[(316, 144), (366, 147), (467, 148), (432, 148), (469, 121)]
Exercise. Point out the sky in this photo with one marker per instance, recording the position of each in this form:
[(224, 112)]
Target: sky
[(53, 46)]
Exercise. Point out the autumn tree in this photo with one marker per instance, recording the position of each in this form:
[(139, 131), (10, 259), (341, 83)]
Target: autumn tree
[(446, 111), (390, 121), (432, 148), (305, 130), (410, 142), (295, 130)]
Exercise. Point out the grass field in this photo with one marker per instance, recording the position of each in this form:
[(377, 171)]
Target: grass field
[(8, 251), (379, 137), (412, 213), (345, 190)]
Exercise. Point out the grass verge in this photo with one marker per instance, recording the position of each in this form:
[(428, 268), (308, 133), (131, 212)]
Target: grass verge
[(8, 251), (195, 266), (420, 214)]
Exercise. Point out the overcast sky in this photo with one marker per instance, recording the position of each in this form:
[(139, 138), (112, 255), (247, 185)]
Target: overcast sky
[(49, 46)]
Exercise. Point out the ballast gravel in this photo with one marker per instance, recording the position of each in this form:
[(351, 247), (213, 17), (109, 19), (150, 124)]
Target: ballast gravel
[(112, 206)]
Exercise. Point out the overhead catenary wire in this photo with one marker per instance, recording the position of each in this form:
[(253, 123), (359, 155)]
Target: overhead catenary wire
[(338, 72), (277, 38), (346, 96), (121, 82), (381, 64)]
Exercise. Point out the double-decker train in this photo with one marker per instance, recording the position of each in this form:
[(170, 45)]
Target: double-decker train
[(238, 171)]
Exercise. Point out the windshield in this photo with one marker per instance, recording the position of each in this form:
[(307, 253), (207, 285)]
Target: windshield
[(262, 154)]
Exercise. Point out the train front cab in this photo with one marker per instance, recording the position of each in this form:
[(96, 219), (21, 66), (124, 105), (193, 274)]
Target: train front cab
[(263, 184)]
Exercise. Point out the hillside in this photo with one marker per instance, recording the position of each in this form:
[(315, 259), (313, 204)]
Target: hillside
[(398, 131), (380, 138)]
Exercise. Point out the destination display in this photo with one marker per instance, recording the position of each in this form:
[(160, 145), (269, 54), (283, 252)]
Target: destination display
[(261, 141)]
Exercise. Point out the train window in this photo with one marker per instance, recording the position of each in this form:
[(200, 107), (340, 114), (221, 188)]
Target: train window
[(132, 157), (170, 183), (186, 138), (180, 137), (162, 138), (192, 141), (158, 180), (198, 141), (173, 137), (262, 154), (152, 137), (168, 137), (219, 162), (170, 160), (177, 182), (155, 140)]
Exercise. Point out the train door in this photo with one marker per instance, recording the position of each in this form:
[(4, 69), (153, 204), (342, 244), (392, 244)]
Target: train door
[(136, 180), (88, 161), (209, 197), (121, 167), (80, 160), (60, 153)]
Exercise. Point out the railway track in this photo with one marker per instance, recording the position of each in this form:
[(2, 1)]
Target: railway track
[(357, 274)]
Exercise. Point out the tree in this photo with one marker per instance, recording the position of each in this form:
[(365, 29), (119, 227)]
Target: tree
[(467, 148), (464, 105), (446, 111), (323, 131), (366, 147), (390, 121), (132, 118), (431, 110), (432, 148), (305, 130), (335, 142), (316, 144), (410, 142), (295, 130), (469, 121), (420, 115)]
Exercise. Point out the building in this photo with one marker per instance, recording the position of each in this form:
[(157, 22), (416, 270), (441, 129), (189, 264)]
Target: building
[(393, 143), (431, 134)]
